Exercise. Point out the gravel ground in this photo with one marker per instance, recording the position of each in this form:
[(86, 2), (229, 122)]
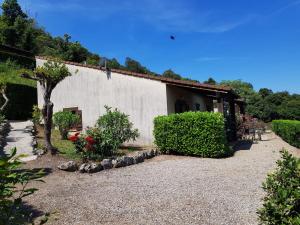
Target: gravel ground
[(163, 190)]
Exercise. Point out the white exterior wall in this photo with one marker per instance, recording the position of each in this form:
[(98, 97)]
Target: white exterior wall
[(175, 93), (90, 90)]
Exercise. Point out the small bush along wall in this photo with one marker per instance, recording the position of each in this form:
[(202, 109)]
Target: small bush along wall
[(192, 133), (288, 130)]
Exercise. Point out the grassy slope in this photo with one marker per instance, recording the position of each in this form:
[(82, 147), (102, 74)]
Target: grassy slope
[(10, 73)]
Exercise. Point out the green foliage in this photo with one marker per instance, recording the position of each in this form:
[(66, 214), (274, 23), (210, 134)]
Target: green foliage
[(111, 131), (135, 66), (210, 81), (170, 74), (36, 115), (10, 73), (21, 92), (264, 92), (192, 133), (265, 104), (53, 71), (289, 130), (13, 188), (65, 120), (282, 201)]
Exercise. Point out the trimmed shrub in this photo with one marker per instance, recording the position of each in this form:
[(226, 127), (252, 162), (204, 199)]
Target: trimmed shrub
[(288, 130), (282, 201), (192, 133), (64, 120)]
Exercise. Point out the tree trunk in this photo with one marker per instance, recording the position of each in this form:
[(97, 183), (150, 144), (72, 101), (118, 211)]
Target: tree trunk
[(6, 101), (47, 116)]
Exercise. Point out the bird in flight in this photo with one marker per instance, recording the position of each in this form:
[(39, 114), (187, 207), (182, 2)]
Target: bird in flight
[(172, 37)]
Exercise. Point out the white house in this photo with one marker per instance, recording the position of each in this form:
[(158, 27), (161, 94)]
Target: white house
[(141, 96)]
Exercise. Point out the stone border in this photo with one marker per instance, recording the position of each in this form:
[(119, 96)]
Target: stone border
[(106, 164), (4, 130)]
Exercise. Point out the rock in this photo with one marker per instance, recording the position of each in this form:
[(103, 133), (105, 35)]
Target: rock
[(138, 158), (129, 160), (34, 143), (119, 162), (93, 168), (150, 154), (70, 166), (90, 168), (40, 152), (82, 167), (106, 164)]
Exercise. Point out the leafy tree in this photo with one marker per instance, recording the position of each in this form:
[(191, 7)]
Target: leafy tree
[(170, 74), (11, 10), (114, 64), (135, 66), (264, 92), (242, 88), (210, 81), (93, 59), (48, 76)]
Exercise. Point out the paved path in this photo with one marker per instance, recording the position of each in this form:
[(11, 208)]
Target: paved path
[(21, 137), (163, 190)]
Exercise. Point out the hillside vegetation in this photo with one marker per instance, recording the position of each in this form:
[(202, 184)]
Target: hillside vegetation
[(10, 73)]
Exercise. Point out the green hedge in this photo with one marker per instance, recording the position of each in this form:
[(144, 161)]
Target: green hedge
[(288, 130), (192, 133)]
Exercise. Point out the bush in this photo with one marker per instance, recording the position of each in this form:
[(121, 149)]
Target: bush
[(282, 201), (64, 120), (85, 146), (111, 131), (192, 133), (288, 130), (36, 115), (13, 187)]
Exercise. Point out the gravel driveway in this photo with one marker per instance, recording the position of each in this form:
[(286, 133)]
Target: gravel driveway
[(164, 190)]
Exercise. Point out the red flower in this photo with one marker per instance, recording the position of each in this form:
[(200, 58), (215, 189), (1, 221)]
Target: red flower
[(73, 138), (90, 140), (76, 134)]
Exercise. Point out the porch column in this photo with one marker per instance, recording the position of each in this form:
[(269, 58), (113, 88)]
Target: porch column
[(233, 119), (220, 105)]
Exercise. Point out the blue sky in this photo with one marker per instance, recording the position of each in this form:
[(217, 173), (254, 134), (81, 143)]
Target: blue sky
[(253, 40)]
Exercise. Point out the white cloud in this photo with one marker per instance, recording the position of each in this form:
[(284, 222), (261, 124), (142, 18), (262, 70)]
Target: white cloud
[(167, 15)]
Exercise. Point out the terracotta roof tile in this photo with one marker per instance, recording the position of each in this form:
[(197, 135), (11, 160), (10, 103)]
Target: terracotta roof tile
[(152, 77)]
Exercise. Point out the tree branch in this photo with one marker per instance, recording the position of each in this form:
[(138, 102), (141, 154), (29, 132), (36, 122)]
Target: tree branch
[(6, 101), (27, 76)]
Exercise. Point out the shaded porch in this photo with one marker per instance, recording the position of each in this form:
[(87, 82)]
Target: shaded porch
[(181, 98)]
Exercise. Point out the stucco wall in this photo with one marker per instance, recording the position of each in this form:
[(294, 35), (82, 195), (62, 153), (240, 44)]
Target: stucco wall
[(177, 93), (90, 90)]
